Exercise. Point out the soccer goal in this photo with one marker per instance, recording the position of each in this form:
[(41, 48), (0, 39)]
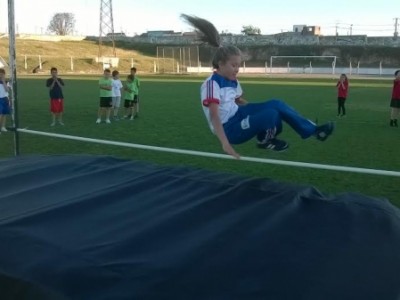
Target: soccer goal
[(303, 64), (176, 59)]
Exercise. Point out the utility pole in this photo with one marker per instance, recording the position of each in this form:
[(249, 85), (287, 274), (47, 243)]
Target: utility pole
[(106, 25), (396, 22)]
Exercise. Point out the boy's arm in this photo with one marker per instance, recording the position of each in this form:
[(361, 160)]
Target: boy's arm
[(50, 85), (241, 101), (219, 130), (106, 87)]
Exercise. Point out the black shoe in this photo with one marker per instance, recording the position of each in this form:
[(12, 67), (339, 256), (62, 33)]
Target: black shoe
[(324, 131), (395, 123), (274, 145), (391, 123)]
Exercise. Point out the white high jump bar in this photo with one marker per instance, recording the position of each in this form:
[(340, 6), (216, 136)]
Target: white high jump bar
[(216, 155)]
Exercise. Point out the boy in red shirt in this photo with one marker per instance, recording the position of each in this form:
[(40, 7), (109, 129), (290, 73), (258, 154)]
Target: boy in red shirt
[(343, 88), (395, 103)]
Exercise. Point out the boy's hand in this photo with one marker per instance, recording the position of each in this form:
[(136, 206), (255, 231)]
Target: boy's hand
[(228, 149)]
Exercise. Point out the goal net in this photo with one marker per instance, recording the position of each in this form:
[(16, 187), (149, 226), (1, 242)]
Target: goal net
[(176, 59), (298, 64)]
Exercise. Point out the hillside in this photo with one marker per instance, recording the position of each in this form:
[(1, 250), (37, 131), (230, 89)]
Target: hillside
[(83, 54)]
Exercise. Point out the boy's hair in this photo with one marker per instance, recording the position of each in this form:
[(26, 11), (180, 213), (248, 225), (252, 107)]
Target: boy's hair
[(133, 69), (107, 71), (53, 69), (209, 34), (115, 73), (396, 73), (2, 71)]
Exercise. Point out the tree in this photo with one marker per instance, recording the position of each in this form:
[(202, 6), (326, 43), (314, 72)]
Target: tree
[(250, 30), (62, 24)]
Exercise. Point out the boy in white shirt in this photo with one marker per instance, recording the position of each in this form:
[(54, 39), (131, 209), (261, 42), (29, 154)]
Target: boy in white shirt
[(117, 87), (4, 101)]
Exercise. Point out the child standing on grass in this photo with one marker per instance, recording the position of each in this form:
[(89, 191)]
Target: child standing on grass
[(105, 84), (4, 101), (117, 87), (55, 85), (129, 96), (136, 82), (395, 102), (343, 89), (230, 117)]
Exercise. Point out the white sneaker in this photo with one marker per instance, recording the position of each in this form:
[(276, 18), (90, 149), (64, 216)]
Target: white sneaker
[(108, 121), (131, 118), (4, 129), (98, 121), (61, 123), (53, 124)]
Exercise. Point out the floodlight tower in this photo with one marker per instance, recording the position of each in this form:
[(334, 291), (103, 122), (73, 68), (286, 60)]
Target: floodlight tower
[(106, 25)]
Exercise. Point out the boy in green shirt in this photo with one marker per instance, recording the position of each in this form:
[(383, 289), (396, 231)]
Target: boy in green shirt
[(136, 81), (129, 96), (105, 84)]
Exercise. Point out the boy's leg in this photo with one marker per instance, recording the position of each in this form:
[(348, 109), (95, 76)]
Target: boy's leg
[(53, 119), (3, 123), (99, 113), (108, 113), (304, 127), (265, 124)]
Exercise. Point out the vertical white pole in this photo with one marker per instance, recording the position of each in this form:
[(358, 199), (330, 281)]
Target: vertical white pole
[(380, 68), (13, 71), (131, 62), (40, 62), (155, 67), (198, 58), (358, 68), (266, 67), (177, 67), (270, 65), (244, 67), (72, 64), (25, 62)]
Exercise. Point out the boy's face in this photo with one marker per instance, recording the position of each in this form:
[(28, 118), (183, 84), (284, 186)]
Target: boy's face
[(106, 74), (342, 78), (116, 76), (54, 73), (133, 72)]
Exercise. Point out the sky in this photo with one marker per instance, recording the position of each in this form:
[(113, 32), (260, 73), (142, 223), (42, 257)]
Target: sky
[(374, 18)]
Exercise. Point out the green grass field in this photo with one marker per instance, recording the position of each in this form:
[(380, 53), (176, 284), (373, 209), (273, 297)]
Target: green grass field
[(171, 116)]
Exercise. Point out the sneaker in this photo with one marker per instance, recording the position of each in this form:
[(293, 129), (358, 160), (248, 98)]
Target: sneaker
[(131, 118), (324, 131), (4, 129), (53, 124), (61, 123), (98, 121), (108, 121), (275, 145)]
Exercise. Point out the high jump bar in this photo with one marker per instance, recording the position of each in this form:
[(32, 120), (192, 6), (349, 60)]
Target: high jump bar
[(216, 155)]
